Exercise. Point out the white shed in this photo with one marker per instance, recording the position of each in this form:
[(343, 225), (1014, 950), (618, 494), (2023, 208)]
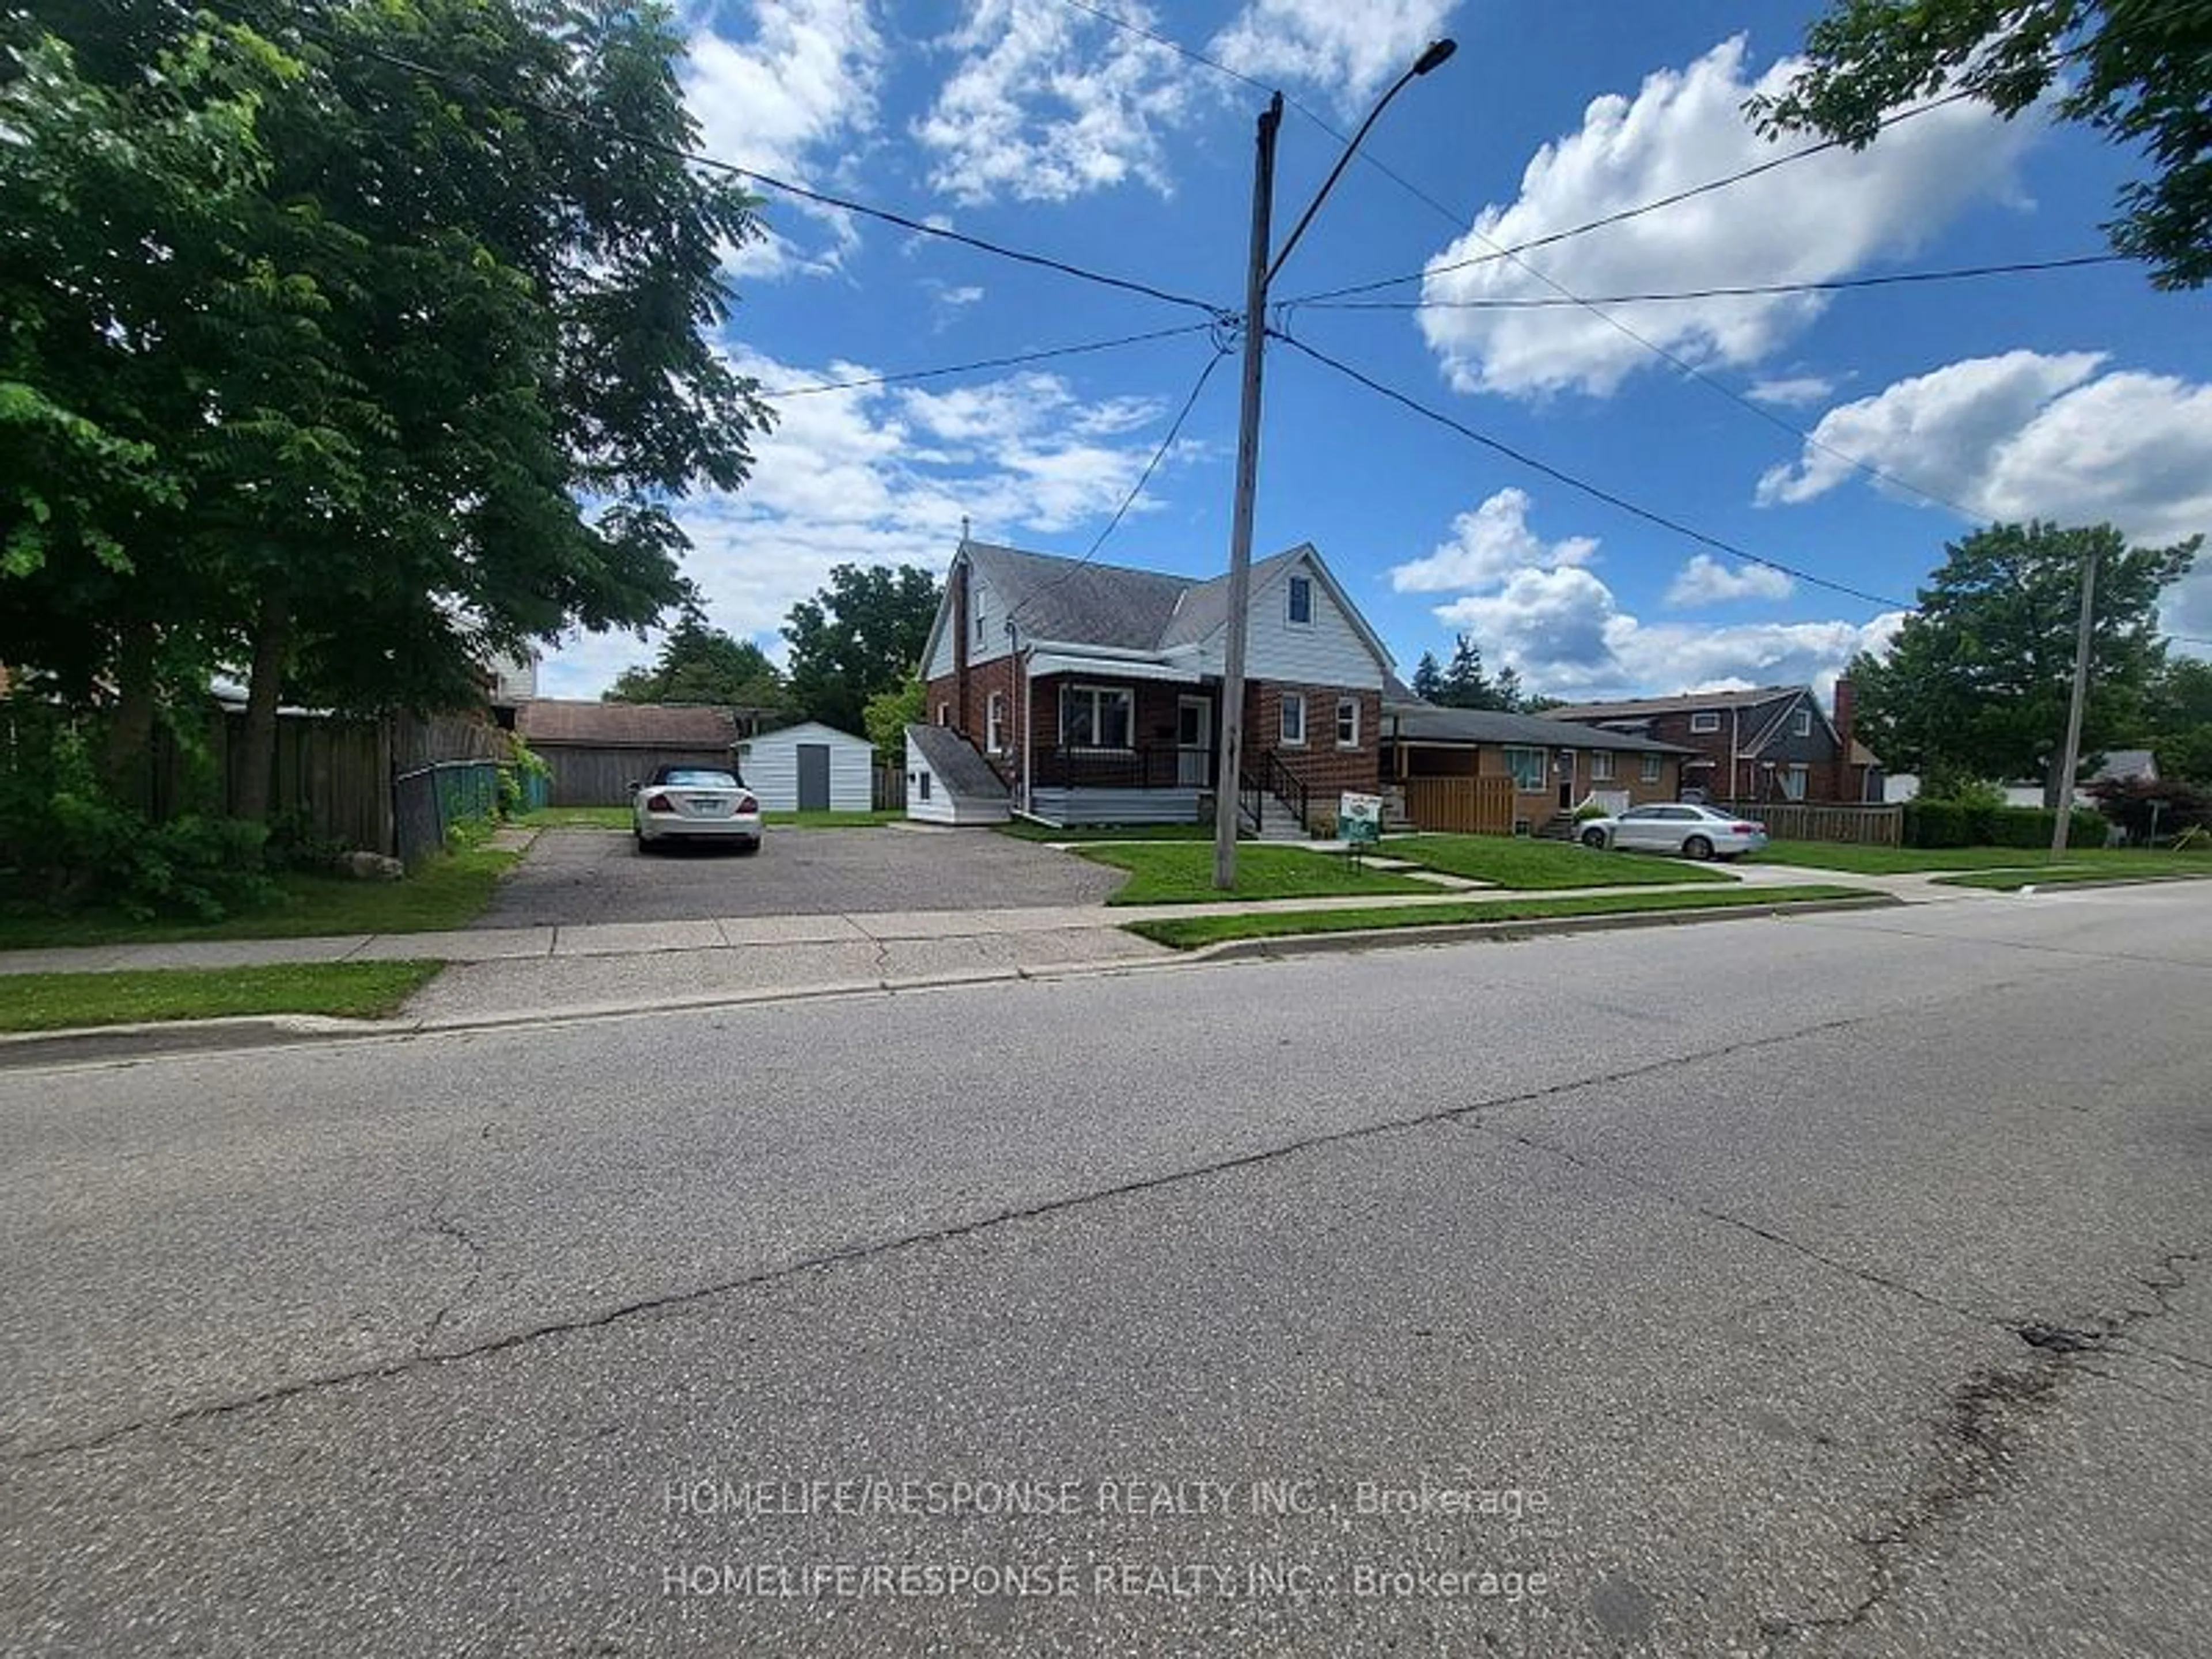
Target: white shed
[(809, 767), (948, 783)]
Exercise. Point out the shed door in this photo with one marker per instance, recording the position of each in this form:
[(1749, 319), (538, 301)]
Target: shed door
[(813, 777)]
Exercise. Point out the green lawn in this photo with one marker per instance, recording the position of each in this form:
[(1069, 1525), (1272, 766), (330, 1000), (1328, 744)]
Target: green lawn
[(1188, 933), (2144, 867), (441, 893), (1906, 861), (1181, 872), (1522, 862), (352, 990), (830, 820), (1023, 829)]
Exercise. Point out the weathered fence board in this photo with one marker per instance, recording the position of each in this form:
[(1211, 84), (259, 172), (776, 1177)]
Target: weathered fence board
[(1477, 806), (1789, 820)]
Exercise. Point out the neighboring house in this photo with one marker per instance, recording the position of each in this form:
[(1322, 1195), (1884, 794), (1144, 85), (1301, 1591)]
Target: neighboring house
[(2119, 765), (1093, 692), (1771, 744), (810, 768), (1480, 770), (596, 750), (511, 680), (948, 783)]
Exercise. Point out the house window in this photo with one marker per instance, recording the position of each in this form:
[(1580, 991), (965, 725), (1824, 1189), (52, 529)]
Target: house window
[(945, 713), (922, 786), (1526, 766), (979, 624), (1302, 603), (1651, 763), (1096, 716), (1347, 722), (1793, 783), (1294, 719), (1705, 719), (1803, 724), (994, 723), (1600, 766)]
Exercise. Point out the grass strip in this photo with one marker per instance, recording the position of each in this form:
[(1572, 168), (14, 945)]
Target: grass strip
[(2059, 875), (349, 990), (1913, 860), (1524, 862), (1190, 932), (1023, 829), (1180, 873)]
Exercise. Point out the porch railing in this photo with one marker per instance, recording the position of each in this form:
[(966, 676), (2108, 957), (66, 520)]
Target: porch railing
[(1147, 766), (1271, 775)]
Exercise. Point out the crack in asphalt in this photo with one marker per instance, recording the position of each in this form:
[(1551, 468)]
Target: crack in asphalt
[(446, 1227), (950, 1232)]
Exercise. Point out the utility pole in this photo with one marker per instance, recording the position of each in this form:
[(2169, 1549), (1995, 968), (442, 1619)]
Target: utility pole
[(1240, 533), (2084, 642)]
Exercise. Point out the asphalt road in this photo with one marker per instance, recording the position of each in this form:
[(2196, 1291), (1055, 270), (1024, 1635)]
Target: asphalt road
[(1826, 1285), (578, 876)]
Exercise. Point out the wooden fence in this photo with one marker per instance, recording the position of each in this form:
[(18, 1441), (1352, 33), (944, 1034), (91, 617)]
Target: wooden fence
[(1478, 806), (890, 786), (1789, 820)]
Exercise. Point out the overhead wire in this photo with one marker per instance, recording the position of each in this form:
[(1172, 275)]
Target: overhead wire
[(1014, 361)]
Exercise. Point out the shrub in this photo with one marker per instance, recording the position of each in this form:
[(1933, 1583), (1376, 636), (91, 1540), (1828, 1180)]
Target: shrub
[(1975, 824)]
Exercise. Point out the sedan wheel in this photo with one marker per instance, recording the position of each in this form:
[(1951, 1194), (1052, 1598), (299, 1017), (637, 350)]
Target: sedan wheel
[(1594, 839), (1699, 847)]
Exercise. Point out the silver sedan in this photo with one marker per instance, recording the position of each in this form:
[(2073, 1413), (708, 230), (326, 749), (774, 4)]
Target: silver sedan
[(695, 803), (1697, 832)]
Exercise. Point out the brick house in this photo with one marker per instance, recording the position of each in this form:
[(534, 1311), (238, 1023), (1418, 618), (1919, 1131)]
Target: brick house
[(1093, 691), (1771, 744), (1482, 770)]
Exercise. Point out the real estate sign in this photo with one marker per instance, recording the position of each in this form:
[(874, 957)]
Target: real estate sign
[(1359, 817)]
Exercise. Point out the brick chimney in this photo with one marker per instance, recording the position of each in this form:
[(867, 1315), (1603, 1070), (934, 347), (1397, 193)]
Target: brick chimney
[(1850, 786)]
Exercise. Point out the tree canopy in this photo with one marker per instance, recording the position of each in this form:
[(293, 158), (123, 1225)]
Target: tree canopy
[(861, 635), (2139, 72), (700, 663), (344, 346), (1977, 683), (1464, 685)]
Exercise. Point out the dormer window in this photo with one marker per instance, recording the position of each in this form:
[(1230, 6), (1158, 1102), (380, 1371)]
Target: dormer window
[(1705, 719), (1301, 601), (1804, 724)]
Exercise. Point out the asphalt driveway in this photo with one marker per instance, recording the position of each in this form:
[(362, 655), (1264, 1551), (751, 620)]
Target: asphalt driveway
[(572, 877)]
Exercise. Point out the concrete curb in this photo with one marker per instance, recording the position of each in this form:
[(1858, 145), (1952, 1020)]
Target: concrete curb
[(23, 1049), (1454, 933)]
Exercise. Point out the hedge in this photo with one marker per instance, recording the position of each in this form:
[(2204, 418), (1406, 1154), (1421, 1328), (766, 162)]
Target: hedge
[(1970, 823)]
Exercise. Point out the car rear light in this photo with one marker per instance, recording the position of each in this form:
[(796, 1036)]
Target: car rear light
[(658, 804), (746, 805), (1746, 829)]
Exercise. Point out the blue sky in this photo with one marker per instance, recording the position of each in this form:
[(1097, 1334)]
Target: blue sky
[(1814, 432)]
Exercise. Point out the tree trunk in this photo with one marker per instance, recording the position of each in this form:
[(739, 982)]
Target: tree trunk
[(123, 767), (272, 642)]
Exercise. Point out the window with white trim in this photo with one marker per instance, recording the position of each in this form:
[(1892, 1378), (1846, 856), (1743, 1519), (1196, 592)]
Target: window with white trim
[(1347, 722), (1301, 601), (1294, 719), (1651, 764), (1793, 782), (994, 723), (1529, 768), (945, 713), (1600, 766), (1705, 719), (1096, 716), (1803, 724)]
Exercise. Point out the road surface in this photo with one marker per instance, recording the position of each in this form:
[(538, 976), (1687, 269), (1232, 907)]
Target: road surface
[(1827, 1285)]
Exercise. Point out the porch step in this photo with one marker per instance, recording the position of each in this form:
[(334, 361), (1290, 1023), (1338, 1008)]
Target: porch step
[(1279, 822), (1560, 826)]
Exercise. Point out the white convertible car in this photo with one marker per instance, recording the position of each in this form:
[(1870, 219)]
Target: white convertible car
[(695, 803)]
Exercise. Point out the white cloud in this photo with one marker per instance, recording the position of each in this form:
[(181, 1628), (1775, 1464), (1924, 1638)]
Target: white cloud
[(1706, 581), (884, 476), (803, 88), (1793, 391), (1350, 49), (1047, 103), (1812, 220), (1488, 545)]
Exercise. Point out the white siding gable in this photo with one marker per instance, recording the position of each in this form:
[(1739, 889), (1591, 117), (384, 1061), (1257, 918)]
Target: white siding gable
[(1327, 651)]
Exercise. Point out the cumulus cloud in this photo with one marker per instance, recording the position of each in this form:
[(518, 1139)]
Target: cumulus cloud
[(1352, 50), (1047, 103), (883, 475), (1488, 545), (802, 89), (1706, 581), (1812, 220), (1793, 391)]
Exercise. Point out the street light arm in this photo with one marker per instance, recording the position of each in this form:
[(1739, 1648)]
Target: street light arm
[(1436, 52)]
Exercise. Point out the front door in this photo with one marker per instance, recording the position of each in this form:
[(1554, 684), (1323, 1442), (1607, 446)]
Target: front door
[(1566, 765), (1194, 741), (813, 777)]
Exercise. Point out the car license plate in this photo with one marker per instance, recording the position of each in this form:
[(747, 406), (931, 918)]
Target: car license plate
[(710, 805)]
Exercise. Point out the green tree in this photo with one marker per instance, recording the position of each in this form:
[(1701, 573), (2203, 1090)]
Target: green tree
[(2180, 720), (861, 635), (1977, 683), (381, 304), (1429, 678), (1465, 685), (890, 712), (700, 663), (2139, 72)]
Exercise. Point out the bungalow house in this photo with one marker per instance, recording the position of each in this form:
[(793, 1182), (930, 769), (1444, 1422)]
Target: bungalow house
[(1093, 692), (1771, 744), (1483, 771)]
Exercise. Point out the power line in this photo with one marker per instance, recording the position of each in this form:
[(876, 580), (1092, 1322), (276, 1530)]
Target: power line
[(1597, 491), (1892, 279), (753, 175), (1173, 431), (981, 363)]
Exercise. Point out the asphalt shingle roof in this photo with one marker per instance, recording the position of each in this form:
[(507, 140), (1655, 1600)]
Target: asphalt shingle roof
[(954, 761), (1425, 722), (1639, 706), (625, 725), (1080, 603)]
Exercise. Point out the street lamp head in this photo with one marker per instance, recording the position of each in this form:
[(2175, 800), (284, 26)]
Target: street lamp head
[(1438, 51)]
